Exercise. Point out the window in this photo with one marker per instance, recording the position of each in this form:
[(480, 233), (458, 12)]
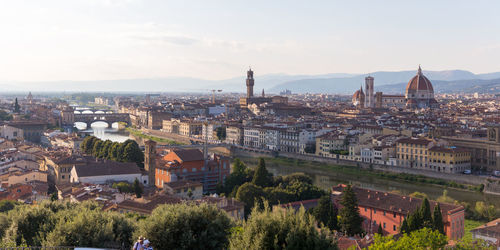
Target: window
[(365, 209), (384, 224), (384, 213), (193, 169), (394, 215), (393, 227), (374, 211)]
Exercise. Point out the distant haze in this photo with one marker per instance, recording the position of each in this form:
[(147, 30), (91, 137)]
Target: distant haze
[(334, 83)]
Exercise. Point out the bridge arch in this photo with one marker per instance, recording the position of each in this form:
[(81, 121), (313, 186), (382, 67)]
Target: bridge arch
[(104, 117)]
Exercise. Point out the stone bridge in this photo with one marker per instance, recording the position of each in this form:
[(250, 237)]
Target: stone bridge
[(108, 118)]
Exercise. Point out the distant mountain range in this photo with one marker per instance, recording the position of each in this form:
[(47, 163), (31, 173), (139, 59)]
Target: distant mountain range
[(394, 82), (341, 83)]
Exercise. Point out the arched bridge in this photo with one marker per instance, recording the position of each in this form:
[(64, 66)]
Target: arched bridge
[(108, 118)]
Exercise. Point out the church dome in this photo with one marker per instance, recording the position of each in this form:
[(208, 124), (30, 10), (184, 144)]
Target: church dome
[(419, 83), (358, 94)]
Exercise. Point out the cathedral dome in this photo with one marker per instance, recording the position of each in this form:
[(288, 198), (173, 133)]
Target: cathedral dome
[(419, 83), (357, 95)]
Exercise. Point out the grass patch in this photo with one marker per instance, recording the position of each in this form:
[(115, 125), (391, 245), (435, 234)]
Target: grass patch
[(140, 134), (469, 225)]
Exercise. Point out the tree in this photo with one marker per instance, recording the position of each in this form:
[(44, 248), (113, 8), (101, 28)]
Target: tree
[(17, 108), (414, 221), (304, 191), (280, 229), (425, 214), (137, 188), (296, 177), (103, 153), (239, 175), (184, 226), (97, 148), (87, 144), (248, 193), (123, 187), (404, 227), (380, 230), (424, 238), (132, 153), (115, 155), (261, 176), (350, 220), (310, 148), (485, 211), (7, 205), (438, 219), (419, 195), (4, 116), (221, 133), (87, 225), (325, 212)]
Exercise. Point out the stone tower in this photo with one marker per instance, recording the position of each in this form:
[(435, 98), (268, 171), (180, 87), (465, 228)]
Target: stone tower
[(250, 83), (370, 97), (150, 160)]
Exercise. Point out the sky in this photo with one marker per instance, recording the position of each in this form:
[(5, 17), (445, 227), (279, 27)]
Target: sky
[(54, 40)]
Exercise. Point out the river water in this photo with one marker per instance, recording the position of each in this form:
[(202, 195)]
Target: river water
[(326, 178), (101, 131)]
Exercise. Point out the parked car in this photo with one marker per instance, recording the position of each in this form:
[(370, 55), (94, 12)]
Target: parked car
[(467, 171)]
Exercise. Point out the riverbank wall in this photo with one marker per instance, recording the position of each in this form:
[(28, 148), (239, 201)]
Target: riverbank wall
[(492, 187)]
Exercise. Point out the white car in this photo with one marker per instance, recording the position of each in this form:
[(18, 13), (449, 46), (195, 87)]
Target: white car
[(467, 171)]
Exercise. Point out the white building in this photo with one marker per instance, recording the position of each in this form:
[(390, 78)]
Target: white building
[(106, 172), (251, 137), (11, 133)]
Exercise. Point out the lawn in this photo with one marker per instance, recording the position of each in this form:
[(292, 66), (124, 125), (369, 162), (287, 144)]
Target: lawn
[(139, 133), (469, 225)]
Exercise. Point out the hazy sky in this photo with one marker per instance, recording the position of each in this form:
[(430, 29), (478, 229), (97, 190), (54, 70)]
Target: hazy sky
[(112, 39)]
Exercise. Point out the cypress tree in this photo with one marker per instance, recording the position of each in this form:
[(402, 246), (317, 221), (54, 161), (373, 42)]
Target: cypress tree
[(137, 188), (425, 214), (350, 220), (380, 230), (326, 213), (438, 219), (17, 108), (261, 176), (404, 227)]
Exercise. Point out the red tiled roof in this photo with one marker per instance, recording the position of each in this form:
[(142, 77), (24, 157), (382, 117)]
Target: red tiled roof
[(419, 82), (391, 202)]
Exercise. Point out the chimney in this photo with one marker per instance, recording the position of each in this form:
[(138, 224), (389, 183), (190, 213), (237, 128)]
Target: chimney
[(368, 196)]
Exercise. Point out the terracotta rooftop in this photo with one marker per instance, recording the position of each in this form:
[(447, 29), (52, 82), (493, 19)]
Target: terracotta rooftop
[(391, 202), (189, 154), (107, 168)]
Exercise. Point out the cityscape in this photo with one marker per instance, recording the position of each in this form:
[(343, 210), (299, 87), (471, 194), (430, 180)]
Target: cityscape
[(403, 156)]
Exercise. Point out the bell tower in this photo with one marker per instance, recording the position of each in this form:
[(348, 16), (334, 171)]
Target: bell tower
[(250, 83), (369, 97), (150, 161)]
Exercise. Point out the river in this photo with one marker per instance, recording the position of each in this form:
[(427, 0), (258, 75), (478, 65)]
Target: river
[(326, 178), (101, 131)]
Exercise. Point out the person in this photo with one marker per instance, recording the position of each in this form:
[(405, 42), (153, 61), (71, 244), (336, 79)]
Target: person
[(147, 246), (139, 245)]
